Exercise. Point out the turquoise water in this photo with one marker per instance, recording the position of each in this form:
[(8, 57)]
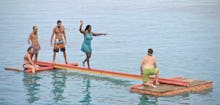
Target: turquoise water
[(185, 35)]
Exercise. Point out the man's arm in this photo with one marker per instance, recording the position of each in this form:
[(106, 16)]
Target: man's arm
[(52, 37), (64, 34), (29, 59), (29, 39), (155, 63), (141, 67), (39, 45)]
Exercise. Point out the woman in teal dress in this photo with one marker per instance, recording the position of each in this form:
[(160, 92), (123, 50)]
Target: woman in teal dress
[(86, 46)]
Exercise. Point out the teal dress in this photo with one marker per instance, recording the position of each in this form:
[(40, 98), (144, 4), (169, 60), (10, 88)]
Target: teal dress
[(86, 46)]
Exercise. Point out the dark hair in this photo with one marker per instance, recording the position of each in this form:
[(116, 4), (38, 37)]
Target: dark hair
[(150, 51), (59, 21), (87, 27), (34, 27), (29, 48)]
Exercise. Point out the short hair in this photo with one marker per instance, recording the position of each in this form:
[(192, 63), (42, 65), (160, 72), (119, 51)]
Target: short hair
[(59, 21), (29, 48), (34, 27), (150, 51)]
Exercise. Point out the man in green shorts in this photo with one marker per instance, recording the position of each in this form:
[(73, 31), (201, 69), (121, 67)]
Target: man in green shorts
[(149, 67)]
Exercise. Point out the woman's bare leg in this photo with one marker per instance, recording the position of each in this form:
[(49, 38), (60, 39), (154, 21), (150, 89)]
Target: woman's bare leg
[(88, 59)]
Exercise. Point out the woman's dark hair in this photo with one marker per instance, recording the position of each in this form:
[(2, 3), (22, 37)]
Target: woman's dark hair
[(87, 27), (29, 48), (150, 51)]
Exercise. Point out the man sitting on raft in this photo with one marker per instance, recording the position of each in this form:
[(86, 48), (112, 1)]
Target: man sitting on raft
[(149, 67), (28, 63)]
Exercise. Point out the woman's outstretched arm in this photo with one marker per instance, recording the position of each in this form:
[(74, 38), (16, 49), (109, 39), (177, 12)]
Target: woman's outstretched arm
[(98, 34), (80, 27)]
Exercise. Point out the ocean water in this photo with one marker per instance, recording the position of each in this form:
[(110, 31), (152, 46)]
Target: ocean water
[(185, 36)]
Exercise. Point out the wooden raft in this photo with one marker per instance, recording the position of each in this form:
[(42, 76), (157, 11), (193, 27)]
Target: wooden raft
[(170, 90)]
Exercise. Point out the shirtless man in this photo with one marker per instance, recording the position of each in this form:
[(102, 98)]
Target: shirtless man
[(59, 43), (33, 37), (149, 67), (28, 63)]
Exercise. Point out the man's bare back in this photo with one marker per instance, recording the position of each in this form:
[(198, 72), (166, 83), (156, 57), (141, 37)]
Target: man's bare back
[(149, 62)]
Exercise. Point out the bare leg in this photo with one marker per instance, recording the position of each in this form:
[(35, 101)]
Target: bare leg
[(36, 56), (150, 84), (31, 67), (88, 59), (156, 79), (32, 56), (84, 62), (64, 55), (54, 57)]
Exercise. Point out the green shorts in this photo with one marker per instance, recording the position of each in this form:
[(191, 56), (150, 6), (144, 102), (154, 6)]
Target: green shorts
[(147, 72)]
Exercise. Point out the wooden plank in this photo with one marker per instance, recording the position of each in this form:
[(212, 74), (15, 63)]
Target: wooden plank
[(50, 63), (173, 81), (40, 69), (20, 69)]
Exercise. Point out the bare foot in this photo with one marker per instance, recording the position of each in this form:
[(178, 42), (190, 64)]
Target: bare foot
[(150, 84), (157, 83), (83, 64), (37, 66), (33, 72), (153, 86)]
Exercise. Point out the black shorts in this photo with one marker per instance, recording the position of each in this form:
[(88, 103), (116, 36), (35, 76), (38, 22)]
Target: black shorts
[(61, 49)]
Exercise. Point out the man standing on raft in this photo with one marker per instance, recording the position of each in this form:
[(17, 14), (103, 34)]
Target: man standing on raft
[(149, 67), (33, 37), (59, 43)]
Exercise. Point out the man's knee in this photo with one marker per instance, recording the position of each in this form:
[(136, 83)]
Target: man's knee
[(157, 72)]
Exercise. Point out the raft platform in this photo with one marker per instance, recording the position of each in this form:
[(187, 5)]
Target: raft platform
[(170, 90), (167, 86), (43, 66)]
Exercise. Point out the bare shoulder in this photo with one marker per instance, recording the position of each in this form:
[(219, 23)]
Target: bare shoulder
[(145, 57), (55, 28), (63, 28), (31, 34), (26, 55)]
